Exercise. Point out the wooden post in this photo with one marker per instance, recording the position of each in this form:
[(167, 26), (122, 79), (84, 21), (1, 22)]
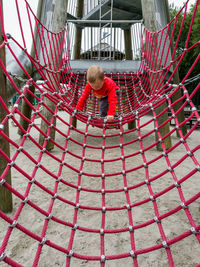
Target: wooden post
[(5, 194), (176, 80), (26, 109), (78, 33), (128, 44), (149, 15), (77, 42), (129, 56), (59, 20)]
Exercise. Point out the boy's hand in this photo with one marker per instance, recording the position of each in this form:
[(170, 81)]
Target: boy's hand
[(110, 117)]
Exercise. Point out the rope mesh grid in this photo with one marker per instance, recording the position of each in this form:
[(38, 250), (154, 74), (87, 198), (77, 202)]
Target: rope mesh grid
[(102, 196)]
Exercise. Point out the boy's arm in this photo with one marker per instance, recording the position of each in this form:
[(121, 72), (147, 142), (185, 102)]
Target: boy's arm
[(82, 100), (112, 101)]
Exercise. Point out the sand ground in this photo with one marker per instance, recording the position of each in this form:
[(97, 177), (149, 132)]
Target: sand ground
[(22, 248)]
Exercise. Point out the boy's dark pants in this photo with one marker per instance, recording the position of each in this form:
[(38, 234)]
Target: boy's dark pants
[(103, 105)]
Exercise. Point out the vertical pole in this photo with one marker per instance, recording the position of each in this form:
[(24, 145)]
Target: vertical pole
[(59, 21), (128, 44), (129, 56), (111, 30), (5, 194), (78, 33), (26, 109), (149, 15), (176, 80), (77, 42)]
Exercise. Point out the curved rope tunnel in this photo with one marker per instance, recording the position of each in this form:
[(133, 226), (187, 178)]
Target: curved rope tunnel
[(102, 196)]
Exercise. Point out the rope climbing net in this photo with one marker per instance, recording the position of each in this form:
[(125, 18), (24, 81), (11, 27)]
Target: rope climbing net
[(104, 195)]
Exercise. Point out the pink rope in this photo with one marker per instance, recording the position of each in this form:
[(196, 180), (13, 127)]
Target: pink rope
[(140, 95)]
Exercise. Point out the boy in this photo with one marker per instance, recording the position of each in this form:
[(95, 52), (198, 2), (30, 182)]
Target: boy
[(103, 88)]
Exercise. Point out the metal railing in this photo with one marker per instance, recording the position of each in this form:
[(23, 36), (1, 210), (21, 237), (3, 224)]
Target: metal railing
[(101, 41), (105, 33), (90, 43)]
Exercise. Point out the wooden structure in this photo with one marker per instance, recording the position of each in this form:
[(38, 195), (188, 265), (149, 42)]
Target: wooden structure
[(5, 194)]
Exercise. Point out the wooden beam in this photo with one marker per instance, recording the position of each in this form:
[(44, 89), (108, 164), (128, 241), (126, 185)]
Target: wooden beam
[(78, 32), (5, 194), (77, 43), (149, 15), (128, 44), (58, 23), (176, 80), (26, 109), (129, 56)]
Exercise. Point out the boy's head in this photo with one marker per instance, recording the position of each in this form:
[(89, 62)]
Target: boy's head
[(95, 77)]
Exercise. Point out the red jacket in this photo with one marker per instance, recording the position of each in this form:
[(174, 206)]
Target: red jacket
[(108, 89)]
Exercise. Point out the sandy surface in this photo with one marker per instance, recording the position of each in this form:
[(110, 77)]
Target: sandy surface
[(22, 248)]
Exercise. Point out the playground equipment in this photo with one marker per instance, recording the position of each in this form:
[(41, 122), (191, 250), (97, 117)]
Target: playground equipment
[(82, 216)]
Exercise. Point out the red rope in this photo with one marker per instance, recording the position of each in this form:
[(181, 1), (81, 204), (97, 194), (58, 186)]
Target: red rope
[(140, 96)]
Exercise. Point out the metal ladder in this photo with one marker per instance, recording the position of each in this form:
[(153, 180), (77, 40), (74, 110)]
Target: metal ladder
[(105, 32)]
